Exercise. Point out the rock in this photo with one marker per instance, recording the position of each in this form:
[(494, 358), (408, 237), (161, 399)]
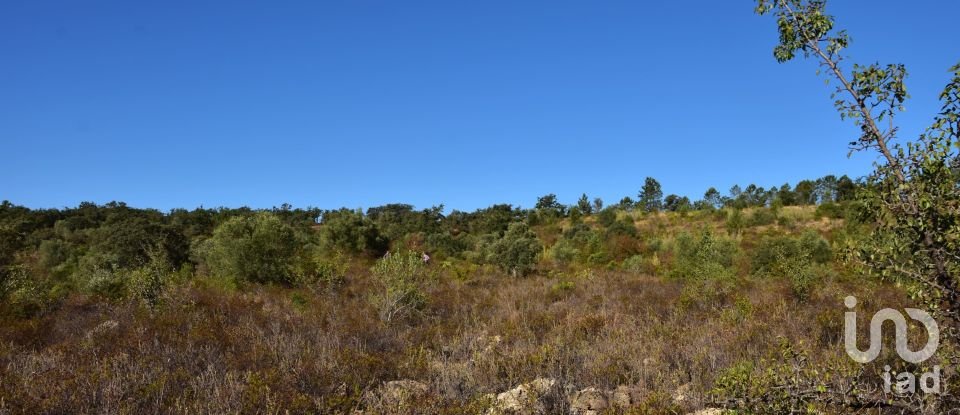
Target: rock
[(626, 396), (590, 401), (708, 411), (396, 394), (525, 399)]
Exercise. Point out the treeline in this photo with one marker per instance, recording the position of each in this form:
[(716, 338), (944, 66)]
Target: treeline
[(113, 249)]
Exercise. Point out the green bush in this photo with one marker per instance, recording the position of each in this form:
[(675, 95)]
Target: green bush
[(106, 282), (445, 244), (703, 257), (321, 269), (735, 222), (259, 248), (772, 253), (762, 217), (20, 294), (607, 216), (797, 259), (351, 231), (564, 252), (516, 252), (400, 276), (831, 210)]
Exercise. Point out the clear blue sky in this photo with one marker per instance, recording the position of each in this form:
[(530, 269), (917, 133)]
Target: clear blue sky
[(360, 102)]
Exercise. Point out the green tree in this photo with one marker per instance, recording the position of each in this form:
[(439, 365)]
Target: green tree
[(713, 198), (257, 248), (549, 206), (584, 204), (675, 203), (651, 195), (516, 252), (350, 231), (913, 193), (806, 192)]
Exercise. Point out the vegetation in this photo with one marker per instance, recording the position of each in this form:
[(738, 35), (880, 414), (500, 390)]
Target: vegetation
[(310, 310), (731, 301)]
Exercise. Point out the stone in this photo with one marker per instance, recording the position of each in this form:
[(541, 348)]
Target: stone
[(589, 401), (525, 399)]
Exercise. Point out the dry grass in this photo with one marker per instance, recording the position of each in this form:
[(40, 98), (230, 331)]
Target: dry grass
[(271, 350)]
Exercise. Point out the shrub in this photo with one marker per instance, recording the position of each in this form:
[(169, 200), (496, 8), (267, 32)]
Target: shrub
[(636, 264), (21, 295), (735, 222), (400, 276), (106, 282), (773, 253), (704, 257), (607, 216), (322, 269), (259, 248), (795, 259), (443, 243), (762, 217), (148, 282), (561, 290), (830, 210), (517, 251), (564, 252), (351, 231)]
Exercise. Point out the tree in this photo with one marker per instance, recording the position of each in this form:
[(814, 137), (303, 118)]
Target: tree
[(805, 192), (675, 203), (786, 195), (913, 193), (597, 204), (516, 252), (351, 231), (651, 195), (584, 205), (846, 189), (258, 248), (713, 198), (736, 198), (549, 205)]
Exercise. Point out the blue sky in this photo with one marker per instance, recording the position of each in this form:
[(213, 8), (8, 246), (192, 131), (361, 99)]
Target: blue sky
[(358, 103)]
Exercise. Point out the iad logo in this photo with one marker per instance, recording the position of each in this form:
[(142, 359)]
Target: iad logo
[(906, 381)]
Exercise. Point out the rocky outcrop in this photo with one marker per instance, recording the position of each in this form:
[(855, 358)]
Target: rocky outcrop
[(526, 399), (626, 396), (589, 401)]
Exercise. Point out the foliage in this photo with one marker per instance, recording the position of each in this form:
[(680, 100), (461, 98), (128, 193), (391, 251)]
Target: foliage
[(703, 257), (650, 197), (401, 276), (258, 248), (735, 222), (517, 251), (912, 197), (351, 231), (21, 295), (148, 282)]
